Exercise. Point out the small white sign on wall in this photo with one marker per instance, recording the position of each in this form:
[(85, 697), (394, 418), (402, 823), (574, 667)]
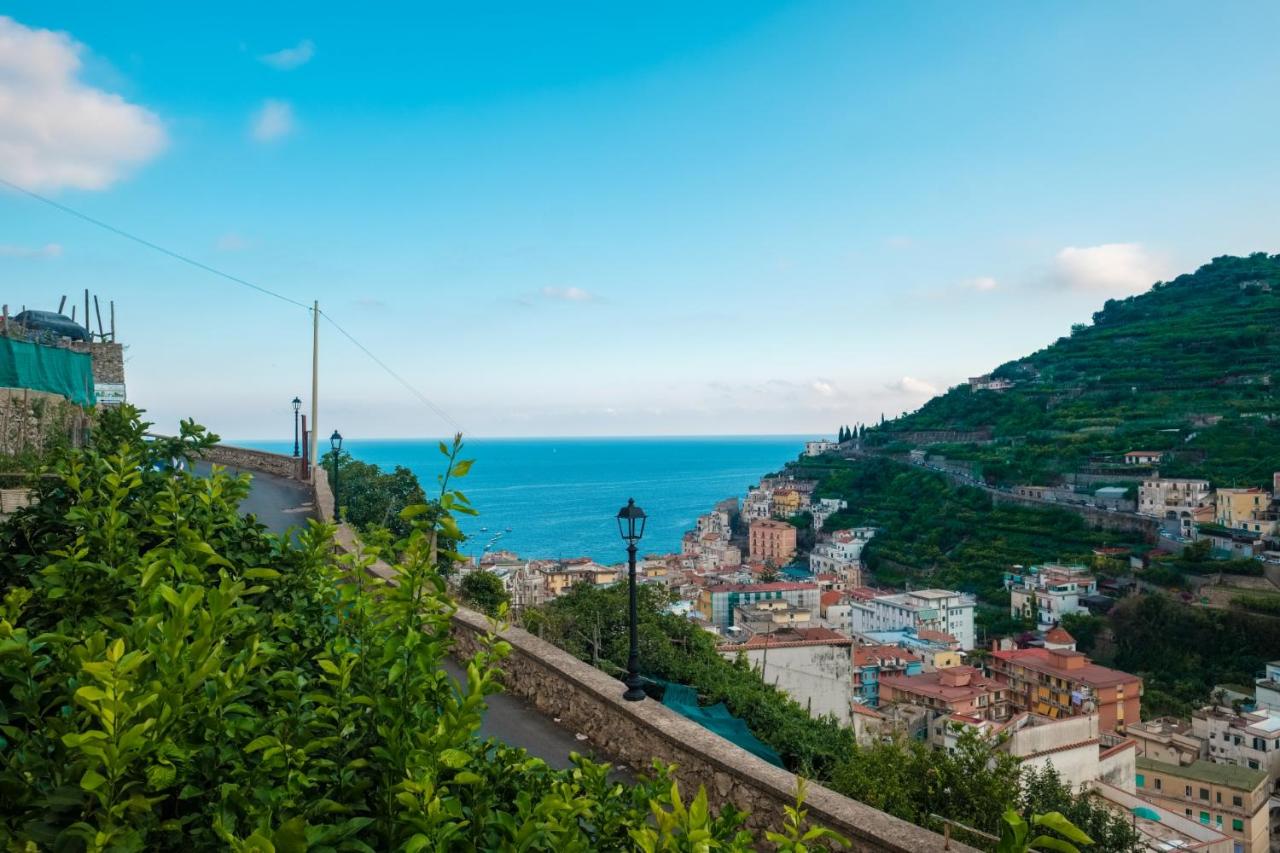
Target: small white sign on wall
[(109, 393)]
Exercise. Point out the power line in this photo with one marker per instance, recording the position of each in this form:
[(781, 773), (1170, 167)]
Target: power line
[(236, 279), (396, 376), (141, 241)]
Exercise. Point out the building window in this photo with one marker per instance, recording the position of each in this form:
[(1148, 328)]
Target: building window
[(1157, 783), (1204, 818), (1237, 824), (1188, 792), (1237, 802), (1204, 793), (1141, 781)]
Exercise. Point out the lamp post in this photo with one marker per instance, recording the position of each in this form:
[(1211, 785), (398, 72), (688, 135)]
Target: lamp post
[(297, 406), (335, 442), (631, 519)]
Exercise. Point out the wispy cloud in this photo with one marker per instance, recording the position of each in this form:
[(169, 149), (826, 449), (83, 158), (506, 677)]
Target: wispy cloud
[(567, 294), (273, 120), (982, 284), (1119, 269), (290, 57), (911, 385), (49, 250), (56, 132)]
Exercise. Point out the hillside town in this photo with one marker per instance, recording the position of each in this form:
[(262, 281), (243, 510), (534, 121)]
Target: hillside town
[(910, 663)]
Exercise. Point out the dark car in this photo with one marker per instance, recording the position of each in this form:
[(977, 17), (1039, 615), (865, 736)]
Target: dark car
[(55, 324)]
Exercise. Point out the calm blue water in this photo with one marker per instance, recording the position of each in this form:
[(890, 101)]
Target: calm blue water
[(559, 495)]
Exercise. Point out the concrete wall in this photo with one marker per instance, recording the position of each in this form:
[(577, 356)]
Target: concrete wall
[(818, 677)]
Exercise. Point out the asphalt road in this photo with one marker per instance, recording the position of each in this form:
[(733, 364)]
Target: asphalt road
[(277, 502), (282, 504)]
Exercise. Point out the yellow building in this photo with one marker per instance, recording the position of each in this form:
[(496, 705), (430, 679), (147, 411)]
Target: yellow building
[(1232, 800), (787, 502), (1235, 507)]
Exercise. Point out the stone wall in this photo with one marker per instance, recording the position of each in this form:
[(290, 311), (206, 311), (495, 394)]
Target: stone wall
[(31, 420), (588, 701), (1100, 518), (255, 460), (108, 360)]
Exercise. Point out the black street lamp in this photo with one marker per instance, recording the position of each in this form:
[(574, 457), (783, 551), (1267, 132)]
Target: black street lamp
[(631, 520), (335, 442), (297, 405)]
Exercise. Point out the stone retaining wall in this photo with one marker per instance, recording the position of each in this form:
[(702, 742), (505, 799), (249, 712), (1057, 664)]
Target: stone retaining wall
[(255, 460), (32, 420)]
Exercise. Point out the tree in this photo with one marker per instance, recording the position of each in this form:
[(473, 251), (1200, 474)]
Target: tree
[(484, 590)]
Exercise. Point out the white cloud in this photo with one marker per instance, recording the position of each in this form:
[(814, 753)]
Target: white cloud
[(57, 132), (982, 284), (823, 388), (49, 250), (291, 57), (272, 121), (911, 385), (568, 294), (232, 242), (1113, 268)]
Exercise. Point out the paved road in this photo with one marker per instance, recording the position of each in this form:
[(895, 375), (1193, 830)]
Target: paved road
[(280, 504)]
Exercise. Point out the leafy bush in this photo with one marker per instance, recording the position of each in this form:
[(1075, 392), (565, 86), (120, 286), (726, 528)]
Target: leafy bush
[(484, 591), (174, 677), (372, 498)]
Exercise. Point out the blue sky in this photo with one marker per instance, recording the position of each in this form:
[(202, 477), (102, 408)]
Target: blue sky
[(604, 219)]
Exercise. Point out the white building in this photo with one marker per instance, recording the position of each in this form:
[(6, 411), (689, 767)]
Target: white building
[(1174, 500), (925, 610), (758, 504), (1266, 690), (1249, 740), (823, 509), (814, 666), (1049, 592), (817, 448)]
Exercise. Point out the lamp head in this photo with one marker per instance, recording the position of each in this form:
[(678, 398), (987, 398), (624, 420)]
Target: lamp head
[(297, 404), (631, 519), (335, 441)]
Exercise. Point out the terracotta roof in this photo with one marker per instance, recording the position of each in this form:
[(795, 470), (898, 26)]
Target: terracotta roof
[(930, 684), (864, 711), (867, 655), (777, 586), (1059, 635), (830, 598), (1045, 661), (931, 636), (793, 638)]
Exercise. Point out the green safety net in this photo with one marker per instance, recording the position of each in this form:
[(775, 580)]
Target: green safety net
[(51, 369), (684, 701)]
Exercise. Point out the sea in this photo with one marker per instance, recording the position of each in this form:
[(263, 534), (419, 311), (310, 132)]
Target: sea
[(556, 498)]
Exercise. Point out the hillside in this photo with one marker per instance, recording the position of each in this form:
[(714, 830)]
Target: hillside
[(1186, 367)]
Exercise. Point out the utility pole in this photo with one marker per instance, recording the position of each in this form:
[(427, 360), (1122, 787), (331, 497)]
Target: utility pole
[(315, 383)]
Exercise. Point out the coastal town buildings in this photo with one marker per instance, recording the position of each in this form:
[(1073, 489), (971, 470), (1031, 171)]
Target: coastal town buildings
[(717, 603), (1266, 689), (936, 649), (818, 447), (842, 555), (772, 540), (771, 616), (822, 509), (1176, 500), (872, 661), (940, 610), (1062, 682), (1047, 593), (960, 690), (1143, 457), (1231, 800), (788, 501), (1245, 510)]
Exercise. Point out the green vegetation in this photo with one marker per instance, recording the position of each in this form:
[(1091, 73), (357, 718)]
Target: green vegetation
[(1151, 373), (974, 785), (174, 677), (372, 499), (932, 532), (484, 591)]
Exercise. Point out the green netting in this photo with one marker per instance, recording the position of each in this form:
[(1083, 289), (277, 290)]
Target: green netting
[(684, 701), (52, 369)]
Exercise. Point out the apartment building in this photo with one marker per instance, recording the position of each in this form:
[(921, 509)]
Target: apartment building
[(823, 509), (1064, 683), (717, 603), (1266, 690), (1176, 501), (871, 662), (772, 540), (941, 610), (1250, 740), (1049, 592), (956, 690), (1244, 509), (1231, 800)]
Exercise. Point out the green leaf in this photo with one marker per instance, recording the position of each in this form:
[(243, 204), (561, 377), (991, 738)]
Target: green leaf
[(261, 743), (466, 777), (1046, 842), (291, 837), (91, 780), (1059, 824), (455, 759), (261, 574)]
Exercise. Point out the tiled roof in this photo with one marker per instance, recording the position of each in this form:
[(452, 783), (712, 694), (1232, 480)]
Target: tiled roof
[(1059, 635), (1043, 660), (776, 586)]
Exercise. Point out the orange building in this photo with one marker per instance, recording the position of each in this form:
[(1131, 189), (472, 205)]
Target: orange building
[(772, 540), (1064, 683), (956, 690)]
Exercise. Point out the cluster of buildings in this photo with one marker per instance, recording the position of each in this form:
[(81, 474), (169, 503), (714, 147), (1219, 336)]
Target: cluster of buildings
[(1242, 522)]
